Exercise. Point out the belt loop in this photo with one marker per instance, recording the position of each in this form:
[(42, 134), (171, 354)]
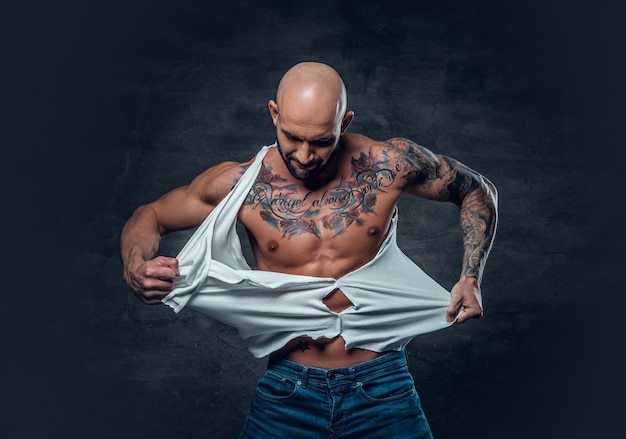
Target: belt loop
[(353, 374), (305, 376)]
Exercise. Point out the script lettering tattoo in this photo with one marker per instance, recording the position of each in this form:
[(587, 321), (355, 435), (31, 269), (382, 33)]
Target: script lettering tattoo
[(280, 206), (355, 196), (414, 161)]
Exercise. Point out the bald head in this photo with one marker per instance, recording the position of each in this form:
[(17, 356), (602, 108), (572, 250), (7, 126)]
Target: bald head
[(313, 86), (310, 118)]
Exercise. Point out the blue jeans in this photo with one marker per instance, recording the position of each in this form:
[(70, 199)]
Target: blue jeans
[(375, 399)]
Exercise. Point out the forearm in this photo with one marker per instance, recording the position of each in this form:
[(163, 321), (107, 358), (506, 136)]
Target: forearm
[(442, 178), (140, 236), (479, 218)]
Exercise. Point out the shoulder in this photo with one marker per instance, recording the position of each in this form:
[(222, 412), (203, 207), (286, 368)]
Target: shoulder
[(414, 159), (214, 183), (413, 165), (404, 154), (409, 150), (399, 147)]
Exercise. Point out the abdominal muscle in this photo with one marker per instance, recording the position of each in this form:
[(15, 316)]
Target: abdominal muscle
[(332, 257), (326, 353)]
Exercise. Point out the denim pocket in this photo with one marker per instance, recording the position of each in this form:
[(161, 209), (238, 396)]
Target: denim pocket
[(388, 388), (276, 387)]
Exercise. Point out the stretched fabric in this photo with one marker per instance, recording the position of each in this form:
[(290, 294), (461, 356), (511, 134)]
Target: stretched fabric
[(393, 299)]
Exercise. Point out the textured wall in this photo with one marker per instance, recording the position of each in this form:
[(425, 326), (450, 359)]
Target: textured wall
[(110, 106)]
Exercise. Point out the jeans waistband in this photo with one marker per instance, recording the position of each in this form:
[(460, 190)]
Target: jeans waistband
[(386, 362)]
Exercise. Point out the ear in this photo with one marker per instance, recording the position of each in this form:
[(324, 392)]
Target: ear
[(346, 121), (273, 107)]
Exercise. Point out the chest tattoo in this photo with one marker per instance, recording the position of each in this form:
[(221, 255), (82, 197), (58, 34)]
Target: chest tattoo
[(295, 213)]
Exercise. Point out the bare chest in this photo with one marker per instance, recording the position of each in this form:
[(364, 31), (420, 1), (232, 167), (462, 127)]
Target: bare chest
[(351, 201), (324, 232)]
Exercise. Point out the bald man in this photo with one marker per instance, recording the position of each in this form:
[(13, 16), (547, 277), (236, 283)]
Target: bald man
[(321, 205)]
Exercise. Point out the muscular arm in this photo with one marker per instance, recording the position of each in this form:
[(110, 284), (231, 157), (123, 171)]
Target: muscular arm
[(182, 208), (477, 198), (442, 178)]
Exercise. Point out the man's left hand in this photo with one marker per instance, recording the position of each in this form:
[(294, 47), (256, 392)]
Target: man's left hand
[(465, 294)]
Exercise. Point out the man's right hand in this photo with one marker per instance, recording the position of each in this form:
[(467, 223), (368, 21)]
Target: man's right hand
[(152, 280)]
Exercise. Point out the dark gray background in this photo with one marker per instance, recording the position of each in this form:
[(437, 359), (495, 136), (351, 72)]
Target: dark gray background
[(107, 106)]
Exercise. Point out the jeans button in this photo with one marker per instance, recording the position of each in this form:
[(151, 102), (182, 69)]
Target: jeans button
[(331, 376)]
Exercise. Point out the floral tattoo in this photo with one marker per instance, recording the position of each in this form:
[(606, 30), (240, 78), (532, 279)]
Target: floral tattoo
[(475, 196), (282, 207)]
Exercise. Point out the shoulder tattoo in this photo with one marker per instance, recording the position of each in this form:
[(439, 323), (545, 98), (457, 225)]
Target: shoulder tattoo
[(415, 162)]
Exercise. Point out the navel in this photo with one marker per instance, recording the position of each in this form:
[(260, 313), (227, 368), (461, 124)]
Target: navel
[(272, 245), (373, 231)]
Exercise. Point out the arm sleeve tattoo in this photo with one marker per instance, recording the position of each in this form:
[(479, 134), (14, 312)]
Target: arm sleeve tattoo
[(445, 179), (477, 198)]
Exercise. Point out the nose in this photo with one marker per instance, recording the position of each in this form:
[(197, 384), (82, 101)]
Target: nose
[(305, 153)]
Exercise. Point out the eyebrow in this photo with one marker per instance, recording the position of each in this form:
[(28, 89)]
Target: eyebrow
[(316, 139)]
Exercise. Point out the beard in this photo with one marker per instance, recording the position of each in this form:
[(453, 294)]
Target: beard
[(309, 175)]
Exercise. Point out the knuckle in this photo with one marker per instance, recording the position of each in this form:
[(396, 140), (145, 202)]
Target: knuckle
[(149, 284), (150, 270)]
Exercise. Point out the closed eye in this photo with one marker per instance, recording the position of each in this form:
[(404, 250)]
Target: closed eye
[(323, 142), (320, 142)]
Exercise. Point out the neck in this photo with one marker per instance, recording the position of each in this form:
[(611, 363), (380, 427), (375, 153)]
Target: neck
[(329, 171)]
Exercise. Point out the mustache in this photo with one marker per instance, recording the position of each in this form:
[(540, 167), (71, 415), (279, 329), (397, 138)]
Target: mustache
[(288, 158), (309, 165)]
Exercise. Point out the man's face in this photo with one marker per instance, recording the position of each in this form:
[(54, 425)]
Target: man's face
[(307, 141), (306, 158)]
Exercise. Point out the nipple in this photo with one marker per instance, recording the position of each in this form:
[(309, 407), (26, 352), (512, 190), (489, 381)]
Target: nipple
[(272, 245), (373, 231)]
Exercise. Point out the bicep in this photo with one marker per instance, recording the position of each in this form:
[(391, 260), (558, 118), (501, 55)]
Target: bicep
[(455, 181), (433, 176)]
